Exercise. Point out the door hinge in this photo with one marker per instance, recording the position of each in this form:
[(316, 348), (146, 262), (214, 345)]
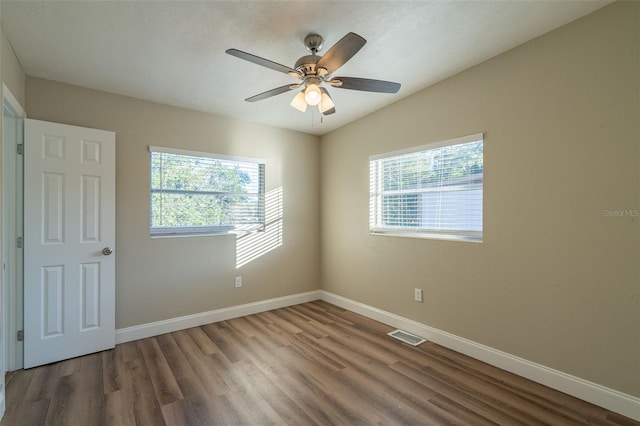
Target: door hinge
[(19, 242), (20, 149), (20, 335)]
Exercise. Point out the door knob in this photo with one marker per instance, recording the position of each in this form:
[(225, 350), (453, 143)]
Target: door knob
[(107, 251)]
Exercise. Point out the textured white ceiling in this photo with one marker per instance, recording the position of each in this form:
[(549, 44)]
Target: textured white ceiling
[(173, 52)]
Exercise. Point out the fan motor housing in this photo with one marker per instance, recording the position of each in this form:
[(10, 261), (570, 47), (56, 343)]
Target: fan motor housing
[(307, 64)]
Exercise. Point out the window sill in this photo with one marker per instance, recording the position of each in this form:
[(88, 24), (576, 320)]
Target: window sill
[(203, 234), (429, 236), (219, 231)]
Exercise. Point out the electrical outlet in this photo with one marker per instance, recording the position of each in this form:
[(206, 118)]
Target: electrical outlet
[(417, 294), (238, 282)]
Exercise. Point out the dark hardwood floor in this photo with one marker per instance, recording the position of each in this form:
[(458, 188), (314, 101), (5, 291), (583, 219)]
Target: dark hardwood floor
[(303, 365)]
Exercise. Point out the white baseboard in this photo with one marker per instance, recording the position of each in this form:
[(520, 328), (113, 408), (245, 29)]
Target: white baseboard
[(610, 399), (180, 323)]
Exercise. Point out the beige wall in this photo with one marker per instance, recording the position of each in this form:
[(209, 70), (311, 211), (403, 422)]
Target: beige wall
[(10, 70), (555, 281), (165, 278)]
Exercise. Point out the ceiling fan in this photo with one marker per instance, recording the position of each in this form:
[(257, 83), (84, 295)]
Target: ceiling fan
[(314, 71)]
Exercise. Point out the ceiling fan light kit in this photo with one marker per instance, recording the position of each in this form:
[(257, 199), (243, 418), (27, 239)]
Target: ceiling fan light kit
[(326, 103), (312, 93), (314, 71), (299, 102)]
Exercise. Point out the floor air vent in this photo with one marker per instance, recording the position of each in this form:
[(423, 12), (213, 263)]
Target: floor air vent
[(407, 337)]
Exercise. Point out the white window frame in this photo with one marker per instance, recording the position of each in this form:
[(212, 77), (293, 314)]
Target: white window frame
[(375, 197), (184, 231)]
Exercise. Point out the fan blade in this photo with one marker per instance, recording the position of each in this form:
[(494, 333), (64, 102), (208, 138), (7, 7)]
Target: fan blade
[(272, 92), (329, 112), (261, 61), (341, 52), (368, 85)]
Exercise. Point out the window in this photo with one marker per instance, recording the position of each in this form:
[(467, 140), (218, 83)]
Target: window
[(202, 193), (429, 191)]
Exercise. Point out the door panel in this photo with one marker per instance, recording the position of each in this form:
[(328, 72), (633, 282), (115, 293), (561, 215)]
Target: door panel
[(90, 208), (69, 283)]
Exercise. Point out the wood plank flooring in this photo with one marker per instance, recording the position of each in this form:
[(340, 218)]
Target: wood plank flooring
[(311, 364)]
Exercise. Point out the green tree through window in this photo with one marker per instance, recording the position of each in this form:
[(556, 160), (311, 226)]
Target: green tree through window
[(194, 194)]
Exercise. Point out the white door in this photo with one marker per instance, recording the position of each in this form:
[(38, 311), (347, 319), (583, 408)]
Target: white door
[(69, 237)]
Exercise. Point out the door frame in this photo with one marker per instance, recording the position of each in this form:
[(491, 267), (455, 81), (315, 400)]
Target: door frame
[(12, 219)]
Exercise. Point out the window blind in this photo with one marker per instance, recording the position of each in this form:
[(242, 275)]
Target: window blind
[(432, 190), (195, 193)]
